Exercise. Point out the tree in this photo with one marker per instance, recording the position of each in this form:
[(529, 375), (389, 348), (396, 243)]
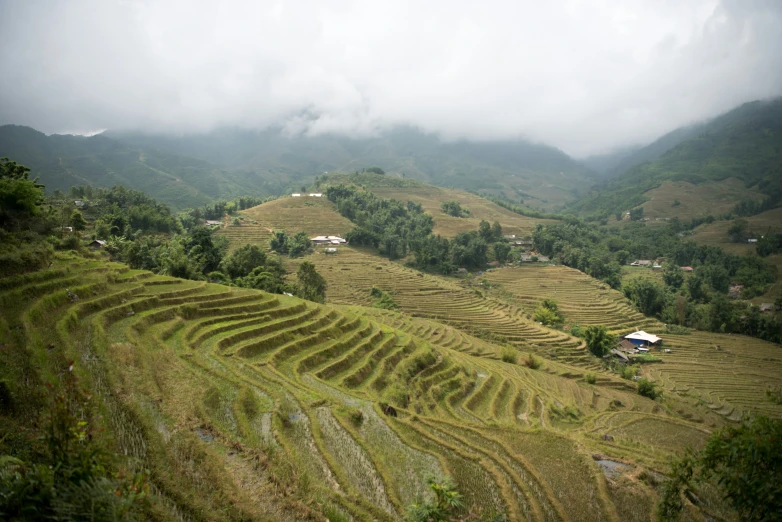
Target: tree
[(446, 504), (452, 208), (672, 275), (745, 461), (484, 231), (77, 221), (647, 295), (311, 284), (298, 244), (501, 251), (243, 261), (279, 242), (20, 198), (738, 230), (647, 389), (376, 170), (598, 340), (637, 214), (496, 231)]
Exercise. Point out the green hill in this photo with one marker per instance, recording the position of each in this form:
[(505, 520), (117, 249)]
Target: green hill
[(745, 144), (543, 175), (62, 161)]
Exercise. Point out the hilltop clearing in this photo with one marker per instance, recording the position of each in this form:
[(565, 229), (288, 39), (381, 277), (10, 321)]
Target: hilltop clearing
[(743, 144), (431, 198)]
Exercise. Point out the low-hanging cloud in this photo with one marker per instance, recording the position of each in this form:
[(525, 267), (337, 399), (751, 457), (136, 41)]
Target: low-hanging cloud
[(585, 76)]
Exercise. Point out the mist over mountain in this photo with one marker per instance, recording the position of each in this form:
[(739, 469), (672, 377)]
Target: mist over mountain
[(510, 168), (745, 143)]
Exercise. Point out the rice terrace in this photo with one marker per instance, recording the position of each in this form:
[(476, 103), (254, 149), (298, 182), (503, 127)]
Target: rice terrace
[(520, 261)]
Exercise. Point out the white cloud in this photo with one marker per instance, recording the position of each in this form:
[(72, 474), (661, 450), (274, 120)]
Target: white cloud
[(584, 76)]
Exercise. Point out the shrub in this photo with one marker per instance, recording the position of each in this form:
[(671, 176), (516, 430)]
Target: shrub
[(70, 479), (383, 299), (648, 389), (446, 504), (547, 316), (745, 463), (598, 340), (532, 362), (356, 416), (590, 378), (509, 355), (629, 371)]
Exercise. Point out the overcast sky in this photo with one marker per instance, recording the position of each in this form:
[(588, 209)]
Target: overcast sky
[(585, 76)]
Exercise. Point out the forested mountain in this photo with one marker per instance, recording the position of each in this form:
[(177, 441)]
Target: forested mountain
[(517, 169), (745, 143), (615, 163), (63, 161)]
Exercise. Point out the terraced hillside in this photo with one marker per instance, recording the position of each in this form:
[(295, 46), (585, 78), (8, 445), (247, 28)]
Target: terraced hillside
[(353, 272), (316, 216), (273, 405), (729, 373), (581, 299)]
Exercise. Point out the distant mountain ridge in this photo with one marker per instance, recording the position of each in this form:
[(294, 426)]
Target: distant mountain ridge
[(62, 161), (516, 169), (745, 143)]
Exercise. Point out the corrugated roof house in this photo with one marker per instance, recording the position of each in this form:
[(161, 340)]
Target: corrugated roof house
[(641, 338)]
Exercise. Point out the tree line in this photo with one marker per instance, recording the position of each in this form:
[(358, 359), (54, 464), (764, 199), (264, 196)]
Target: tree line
[(404, 230), (699, 299)]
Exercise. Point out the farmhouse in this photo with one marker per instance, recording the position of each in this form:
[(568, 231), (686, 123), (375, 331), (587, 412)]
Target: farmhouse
[(509, 236), (656, 266), (766, 308), (327, 240), (641, 262), (752, 240), (316, 195), (295, 195), (523, 243), (331, 250), (79, 203), (97, 244), (627, 347), (687, 268), (213, 223), (642, 339)]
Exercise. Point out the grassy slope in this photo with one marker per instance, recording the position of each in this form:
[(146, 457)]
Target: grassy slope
[(696, 200), (717, 234)]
